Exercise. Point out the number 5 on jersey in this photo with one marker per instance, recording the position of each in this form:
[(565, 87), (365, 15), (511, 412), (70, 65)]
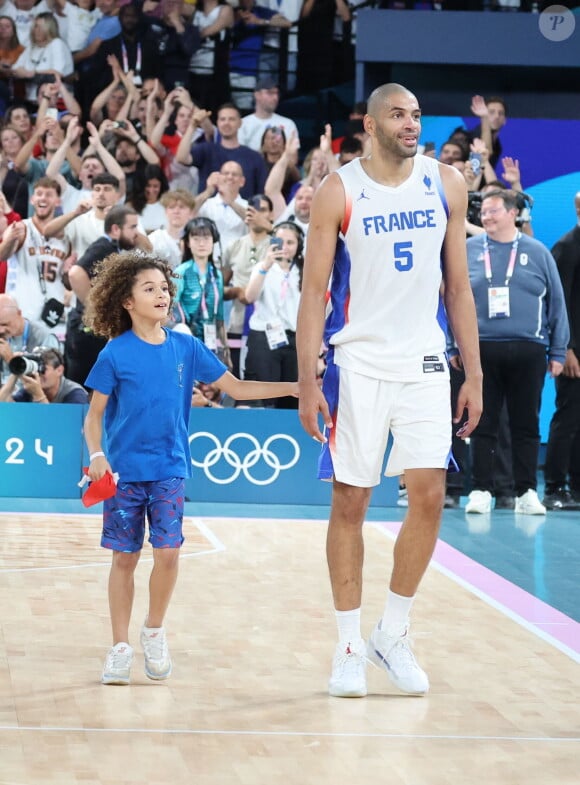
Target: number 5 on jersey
[(403, 256)]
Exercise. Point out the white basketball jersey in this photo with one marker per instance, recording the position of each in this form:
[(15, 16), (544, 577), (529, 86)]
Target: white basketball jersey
[(387, 319), (35, 271)]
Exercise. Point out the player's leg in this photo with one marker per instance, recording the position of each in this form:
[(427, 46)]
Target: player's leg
[(123, 532), (421, 426), (354, 458), (418, 535), (165, 513)]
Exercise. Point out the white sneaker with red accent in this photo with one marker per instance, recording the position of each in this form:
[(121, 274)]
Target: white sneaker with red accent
[(390, 649), (157, 660), (349, 666), (117, 668)]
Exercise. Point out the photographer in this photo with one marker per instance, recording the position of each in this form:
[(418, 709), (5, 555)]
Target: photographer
[(18, 334), (511, 174), (42, 375)]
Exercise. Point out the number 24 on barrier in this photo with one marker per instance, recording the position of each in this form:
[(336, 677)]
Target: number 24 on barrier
[(16, 446)]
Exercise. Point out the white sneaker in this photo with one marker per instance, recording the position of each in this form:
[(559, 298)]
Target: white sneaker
[(390, 649), (479, 502), (117, 668), (349, 666), (529, 504), (157, 660)]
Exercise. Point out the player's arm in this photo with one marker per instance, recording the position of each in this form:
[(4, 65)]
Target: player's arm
[(241, 390), (459, 302), (93, 430), (326, 217)]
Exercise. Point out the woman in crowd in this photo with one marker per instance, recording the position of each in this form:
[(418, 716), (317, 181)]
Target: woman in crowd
[(209, 66), (46, 55), (274, 288), (199, 301), (10, 51), (149, 187)]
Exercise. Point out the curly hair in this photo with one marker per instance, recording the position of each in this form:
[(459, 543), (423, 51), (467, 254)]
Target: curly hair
[(112, 286)]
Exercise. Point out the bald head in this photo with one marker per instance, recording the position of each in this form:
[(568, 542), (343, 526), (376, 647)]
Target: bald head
[(11, 321), (383, 95), (577, 204)]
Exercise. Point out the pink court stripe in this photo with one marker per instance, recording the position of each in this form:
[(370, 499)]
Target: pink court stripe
[(535, 612)]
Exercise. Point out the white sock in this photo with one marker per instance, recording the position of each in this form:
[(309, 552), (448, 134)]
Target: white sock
[(397, 610), (348, 623)]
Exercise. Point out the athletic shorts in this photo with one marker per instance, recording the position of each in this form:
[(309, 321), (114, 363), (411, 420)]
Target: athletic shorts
[(365, 410), (124, 515)]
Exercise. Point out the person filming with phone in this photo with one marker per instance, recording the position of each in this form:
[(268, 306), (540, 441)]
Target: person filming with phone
[(274, 288)]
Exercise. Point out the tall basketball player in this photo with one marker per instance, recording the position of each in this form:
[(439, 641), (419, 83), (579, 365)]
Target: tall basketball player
[(387, 231)]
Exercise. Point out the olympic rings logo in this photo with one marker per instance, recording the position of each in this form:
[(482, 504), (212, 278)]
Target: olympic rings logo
[(249, 460)]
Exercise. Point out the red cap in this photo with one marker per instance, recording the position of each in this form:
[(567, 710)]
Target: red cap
[(100, 490)]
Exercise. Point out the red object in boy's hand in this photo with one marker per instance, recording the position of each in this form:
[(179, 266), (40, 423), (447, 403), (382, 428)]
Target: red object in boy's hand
[(100, 490)]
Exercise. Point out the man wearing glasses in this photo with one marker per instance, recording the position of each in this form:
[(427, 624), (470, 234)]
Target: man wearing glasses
[(523, 331)]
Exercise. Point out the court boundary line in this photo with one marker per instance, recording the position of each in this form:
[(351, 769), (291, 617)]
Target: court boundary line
[(217, 546), (292, 734), (486, 597)]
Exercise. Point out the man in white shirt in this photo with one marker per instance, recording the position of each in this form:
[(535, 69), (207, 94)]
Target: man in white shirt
[(266, 97), (227, 209)]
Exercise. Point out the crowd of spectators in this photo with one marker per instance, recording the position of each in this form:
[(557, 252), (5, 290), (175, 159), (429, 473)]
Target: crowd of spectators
[(155, 126)]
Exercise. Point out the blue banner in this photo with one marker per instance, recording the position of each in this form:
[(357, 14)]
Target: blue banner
[(40, 450)]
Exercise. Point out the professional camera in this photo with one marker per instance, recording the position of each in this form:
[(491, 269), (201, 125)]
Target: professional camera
[(26, 364), (524, 203)]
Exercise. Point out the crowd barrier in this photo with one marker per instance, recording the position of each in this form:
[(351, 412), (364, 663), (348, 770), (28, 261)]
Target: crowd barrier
[(246, 456)]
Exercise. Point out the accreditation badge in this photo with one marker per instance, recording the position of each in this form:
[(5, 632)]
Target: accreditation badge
[(498, 301)]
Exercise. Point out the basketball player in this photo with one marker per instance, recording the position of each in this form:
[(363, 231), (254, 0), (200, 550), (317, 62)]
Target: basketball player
[(390, 229)]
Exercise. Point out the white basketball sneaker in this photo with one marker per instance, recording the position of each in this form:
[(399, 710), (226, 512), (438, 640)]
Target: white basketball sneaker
[(390, 649), (157, 660), (117, 668), (479, 502), (529, 504), (349, 666)]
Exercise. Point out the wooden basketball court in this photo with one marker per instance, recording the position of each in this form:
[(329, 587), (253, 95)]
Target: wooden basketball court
[(252, 633)]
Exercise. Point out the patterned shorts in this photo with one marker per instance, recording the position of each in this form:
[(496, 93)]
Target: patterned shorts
[(161, 502)]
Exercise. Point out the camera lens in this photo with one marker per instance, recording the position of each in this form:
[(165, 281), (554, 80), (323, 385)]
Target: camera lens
[(22, 365)]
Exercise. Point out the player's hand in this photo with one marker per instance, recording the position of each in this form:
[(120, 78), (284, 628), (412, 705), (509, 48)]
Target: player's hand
[(555, 368), (470, 398), (98, 468), (312, 403), (455, 362)]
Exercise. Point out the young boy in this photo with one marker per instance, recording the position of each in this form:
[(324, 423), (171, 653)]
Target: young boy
[(143, 381)]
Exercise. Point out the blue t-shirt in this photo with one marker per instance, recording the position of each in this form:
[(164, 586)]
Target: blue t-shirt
[(147, 414)]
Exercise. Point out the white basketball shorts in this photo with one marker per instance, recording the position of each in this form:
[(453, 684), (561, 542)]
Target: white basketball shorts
[(365, 410)]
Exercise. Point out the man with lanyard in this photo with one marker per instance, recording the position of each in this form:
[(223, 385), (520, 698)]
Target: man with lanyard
[(36, 262), (134, 48), (523, 328)]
